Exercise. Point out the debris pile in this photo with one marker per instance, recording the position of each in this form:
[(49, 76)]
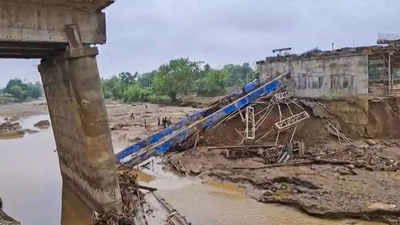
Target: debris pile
[(132, 199), (43, 124), (9, 126), (265, 129), (296, 152), (9, 129)]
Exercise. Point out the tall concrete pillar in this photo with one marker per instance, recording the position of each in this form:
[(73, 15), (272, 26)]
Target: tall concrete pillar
[(79, 118)]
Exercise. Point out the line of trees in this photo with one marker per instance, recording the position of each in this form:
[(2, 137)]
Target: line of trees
[(177, 78), (21, 90)]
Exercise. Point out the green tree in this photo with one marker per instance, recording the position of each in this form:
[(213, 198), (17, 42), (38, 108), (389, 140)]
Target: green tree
[(146, 79), (136, 93), (18, 92), (34, 90), (240, 74), (128, 78), (22, 91), (213, 83), (114, 87), (175, 78)]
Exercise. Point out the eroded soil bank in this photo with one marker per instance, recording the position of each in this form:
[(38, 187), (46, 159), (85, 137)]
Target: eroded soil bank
[(333, 178)]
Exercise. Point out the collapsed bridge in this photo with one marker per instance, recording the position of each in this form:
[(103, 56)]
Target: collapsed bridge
[(171, 137)]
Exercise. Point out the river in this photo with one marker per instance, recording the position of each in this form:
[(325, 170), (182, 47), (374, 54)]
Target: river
[(30, 176), (31, 190)]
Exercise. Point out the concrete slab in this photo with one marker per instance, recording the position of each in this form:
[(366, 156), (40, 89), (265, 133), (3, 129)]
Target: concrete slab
[(36, 28)]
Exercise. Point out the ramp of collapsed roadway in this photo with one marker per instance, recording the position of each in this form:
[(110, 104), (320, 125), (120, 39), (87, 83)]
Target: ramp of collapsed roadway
[(165, 140)]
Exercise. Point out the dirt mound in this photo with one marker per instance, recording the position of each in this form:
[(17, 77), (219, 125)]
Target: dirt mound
[(44, 124), (382, 122), (228, 133), (384, 118), (350, 176)]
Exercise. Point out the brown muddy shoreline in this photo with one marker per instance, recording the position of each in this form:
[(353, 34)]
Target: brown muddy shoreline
[(303, 187)]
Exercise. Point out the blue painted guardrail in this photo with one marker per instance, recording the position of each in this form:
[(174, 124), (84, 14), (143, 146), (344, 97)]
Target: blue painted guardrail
[(160, 144), (182, 123), (213, 119)]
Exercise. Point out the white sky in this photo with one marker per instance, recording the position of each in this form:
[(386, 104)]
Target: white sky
[(144, 34)]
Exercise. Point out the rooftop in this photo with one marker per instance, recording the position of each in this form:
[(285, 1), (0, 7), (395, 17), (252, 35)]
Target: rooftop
[(342, 52)]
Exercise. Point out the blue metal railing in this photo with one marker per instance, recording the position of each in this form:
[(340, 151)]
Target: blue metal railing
[(172, 136)]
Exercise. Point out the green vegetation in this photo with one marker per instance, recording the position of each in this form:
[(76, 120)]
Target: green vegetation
[(177, 78), (22, 91)]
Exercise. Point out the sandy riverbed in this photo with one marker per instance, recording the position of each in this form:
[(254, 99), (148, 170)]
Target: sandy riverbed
[(124, 130)]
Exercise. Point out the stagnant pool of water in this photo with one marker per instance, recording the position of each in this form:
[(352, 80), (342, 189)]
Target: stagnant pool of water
[(31, 187)]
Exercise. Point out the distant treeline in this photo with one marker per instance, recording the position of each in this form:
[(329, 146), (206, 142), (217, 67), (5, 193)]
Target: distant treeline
[(22, 91), (179, 77)]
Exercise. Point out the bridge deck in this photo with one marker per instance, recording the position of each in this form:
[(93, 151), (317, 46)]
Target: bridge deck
[(37, 28)]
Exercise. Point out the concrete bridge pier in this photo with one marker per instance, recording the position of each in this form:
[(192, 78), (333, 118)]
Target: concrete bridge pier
[(76, 105), (60, 32)]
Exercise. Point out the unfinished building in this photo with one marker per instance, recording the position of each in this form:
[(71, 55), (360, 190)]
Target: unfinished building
[(348, 78), (346, 72)]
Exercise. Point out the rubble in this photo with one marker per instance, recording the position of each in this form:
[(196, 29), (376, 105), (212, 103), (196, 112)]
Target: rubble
[(44, 124), (132, 199), (9, 126), (10, 130)]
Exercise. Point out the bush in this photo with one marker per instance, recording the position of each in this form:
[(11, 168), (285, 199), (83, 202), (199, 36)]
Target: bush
[(135, 93), (159, 99), (178, 77), (212, 84), (23, 91)]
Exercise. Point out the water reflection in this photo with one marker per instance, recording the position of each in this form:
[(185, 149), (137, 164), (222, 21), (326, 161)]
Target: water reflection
[(30, 181), (74, 211)]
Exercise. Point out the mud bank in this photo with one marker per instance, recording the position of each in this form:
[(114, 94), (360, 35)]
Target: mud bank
[(9, 130), (130, 123), (15, 111), (217, 203), (125, 130)]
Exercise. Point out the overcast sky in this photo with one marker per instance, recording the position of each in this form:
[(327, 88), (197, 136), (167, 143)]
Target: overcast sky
[(142, 34)]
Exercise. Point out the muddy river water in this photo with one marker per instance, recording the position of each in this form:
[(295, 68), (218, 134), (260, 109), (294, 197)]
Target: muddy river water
[(30, 182), (31, 187)]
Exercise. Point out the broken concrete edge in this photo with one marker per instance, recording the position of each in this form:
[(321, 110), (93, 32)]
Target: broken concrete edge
[(36, 40)]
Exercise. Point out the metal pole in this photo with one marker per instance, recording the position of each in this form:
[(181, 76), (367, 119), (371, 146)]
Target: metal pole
[(390, 74)]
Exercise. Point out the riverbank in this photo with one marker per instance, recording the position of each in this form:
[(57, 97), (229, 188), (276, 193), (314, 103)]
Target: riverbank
[(129, 123), (15, 111), (345, 190)]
